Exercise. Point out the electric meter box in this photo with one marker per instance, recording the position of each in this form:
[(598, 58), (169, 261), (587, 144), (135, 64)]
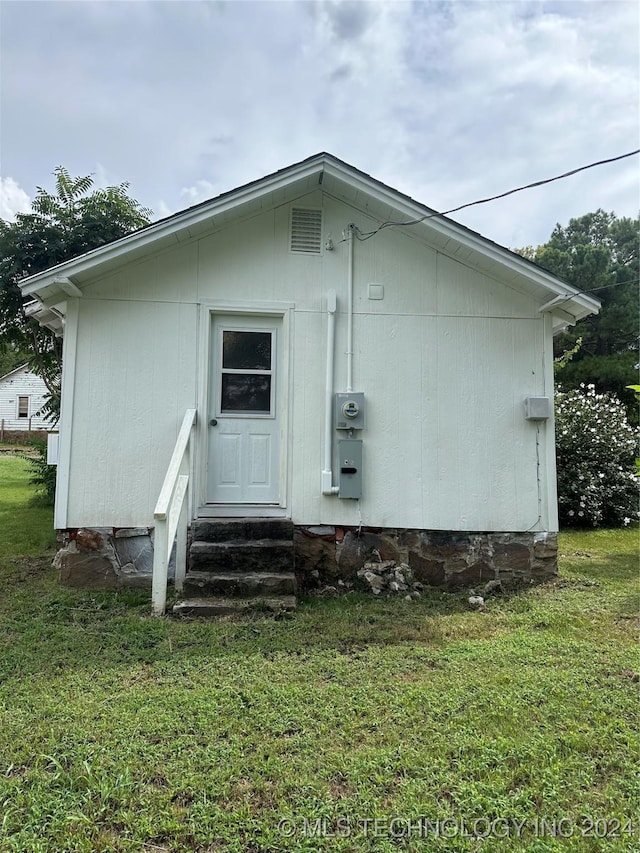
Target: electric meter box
[(349, 410), (350, 468), (537, 408)]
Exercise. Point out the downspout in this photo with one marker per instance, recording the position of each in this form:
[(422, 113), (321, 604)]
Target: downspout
[(327, 474)]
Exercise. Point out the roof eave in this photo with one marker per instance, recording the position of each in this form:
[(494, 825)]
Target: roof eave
[(55, 285)]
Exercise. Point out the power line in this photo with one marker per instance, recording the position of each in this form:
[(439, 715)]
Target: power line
[(607, 286), (603, 287), (366, 236)]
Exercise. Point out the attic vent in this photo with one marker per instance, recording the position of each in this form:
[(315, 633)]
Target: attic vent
[(306, 231)]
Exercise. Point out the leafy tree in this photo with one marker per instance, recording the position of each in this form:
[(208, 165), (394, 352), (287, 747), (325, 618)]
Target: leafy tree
[(11, 357), (599, 253), (60, 226)]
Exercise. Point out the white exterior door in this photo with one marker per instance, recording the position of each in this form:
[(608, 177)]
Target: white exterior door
[(244, 402)]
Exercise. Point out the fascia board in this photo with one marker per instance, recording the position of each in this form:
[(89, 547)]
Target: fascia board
[(450, 230), (170, 228)]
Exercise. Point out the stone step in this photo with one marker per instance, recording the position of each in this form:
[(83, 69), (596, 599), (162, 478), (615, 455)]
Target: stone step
[(239, 584), (255, 555), (219, 606), (241, 529)]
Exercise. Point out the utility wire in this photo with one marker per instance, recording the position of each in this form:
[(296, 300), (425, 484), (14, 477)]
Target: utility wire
[(595, 289), (367, 235)]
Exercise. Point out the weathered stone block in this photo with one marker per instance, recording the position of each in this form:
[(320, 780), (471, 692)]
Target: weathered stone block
[(91, 570), (430, 572), (545, 546), (89, 540), (464, 575), (136, 551), (128, 532), (315, 553), (356, 549), (513, 557)]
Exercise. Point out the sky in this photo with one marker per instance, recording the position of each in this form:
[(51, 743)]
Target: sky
[(447, 102)]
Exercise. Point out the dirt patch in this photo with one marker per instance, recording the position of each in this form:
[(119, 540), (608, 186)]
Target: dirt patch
[(27, 568)]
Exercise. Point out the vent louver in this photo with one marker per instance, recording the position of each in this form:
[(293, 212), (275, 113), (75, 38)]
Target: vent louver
[(306, 231)]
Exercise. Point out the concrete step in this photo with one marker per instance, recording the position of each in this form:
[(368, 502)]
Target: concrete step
[(254, 555), (220, 606), (241, 529), (239, 584)]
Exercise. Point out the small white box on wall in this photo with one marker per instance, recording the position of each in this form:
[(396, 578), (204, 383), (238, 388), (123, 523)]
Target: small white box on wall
[(53, 439), (537, 408)]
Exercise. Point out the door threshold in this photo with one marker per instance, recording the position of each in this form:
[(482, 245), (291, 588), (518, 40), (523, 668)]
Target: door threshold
[(242, 511)]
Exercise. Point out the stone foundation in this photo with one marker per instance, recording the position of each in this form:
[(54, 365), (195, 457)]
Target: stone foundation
[(107, 557), (112, 558), (325, 555)]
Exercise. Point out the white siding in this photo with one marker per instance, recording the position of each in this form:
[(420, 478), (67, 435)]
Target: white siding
[(22, 382), (445, 360), (135, 377)]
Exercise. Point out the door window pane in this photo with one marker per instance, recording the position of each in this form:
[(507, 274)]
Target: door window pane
[(246, 350), (246, 393)]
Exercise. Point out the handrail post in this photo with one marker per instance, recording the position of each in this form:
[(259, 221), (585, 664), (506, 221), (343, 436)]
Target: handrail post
[(159, 582), (181, 547)]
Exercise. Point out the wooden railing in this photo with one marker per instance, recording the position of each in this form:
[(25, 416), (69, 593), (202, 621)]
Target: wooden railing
[(171, 517)]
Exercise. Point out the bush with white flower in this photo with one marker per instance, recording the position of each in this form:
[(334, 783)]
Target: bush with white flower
[(596, 449)]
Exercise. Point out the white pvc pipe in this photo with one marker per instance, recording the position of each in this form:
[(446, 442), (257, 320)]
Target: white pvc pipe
[(349, 387), (327, 474)]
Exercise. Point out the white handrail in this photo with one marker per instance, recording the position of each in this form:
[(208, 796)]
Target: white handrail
[(171, 517)]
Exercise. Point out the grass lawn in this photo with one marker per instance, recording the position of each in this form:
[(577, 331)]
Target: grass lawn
[(120, 732)]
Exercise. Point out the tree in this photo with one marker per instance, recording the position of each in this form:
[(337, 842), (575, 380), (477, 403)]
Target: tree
[(11, 357), (599, 253), (60, 226)]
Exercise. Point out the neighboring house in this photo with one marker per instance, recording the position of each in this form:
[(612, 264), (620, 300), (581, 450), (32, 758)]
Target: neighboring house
[(255, 309), (22, 396)]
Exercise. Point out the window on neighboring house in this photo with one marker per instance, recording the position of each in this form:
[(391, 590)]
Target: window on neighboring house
[(23, 407)]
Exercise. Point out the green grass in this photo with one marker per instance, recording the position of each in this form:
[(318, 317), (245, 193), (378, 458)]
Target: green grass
[(26, 528), (121, 732)]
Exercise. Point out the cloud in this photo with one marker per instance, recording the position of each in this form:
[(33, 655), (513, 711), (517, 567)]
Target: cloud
[(447, 101), (200, 191), (13, 199), (347, 19), (162, 210)]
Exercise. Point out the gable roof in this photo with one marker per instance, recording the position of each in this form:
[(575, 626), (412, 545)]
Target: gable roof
[(51, 288), (14, 371)]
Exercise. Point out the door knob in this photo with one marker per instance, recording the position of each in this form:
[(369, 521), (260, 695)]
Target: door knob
[(213, 422)]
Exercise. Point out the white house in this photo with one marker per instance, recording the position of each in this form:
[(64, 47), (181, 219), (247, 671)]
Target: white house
[(22, 396), (327, 352)]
